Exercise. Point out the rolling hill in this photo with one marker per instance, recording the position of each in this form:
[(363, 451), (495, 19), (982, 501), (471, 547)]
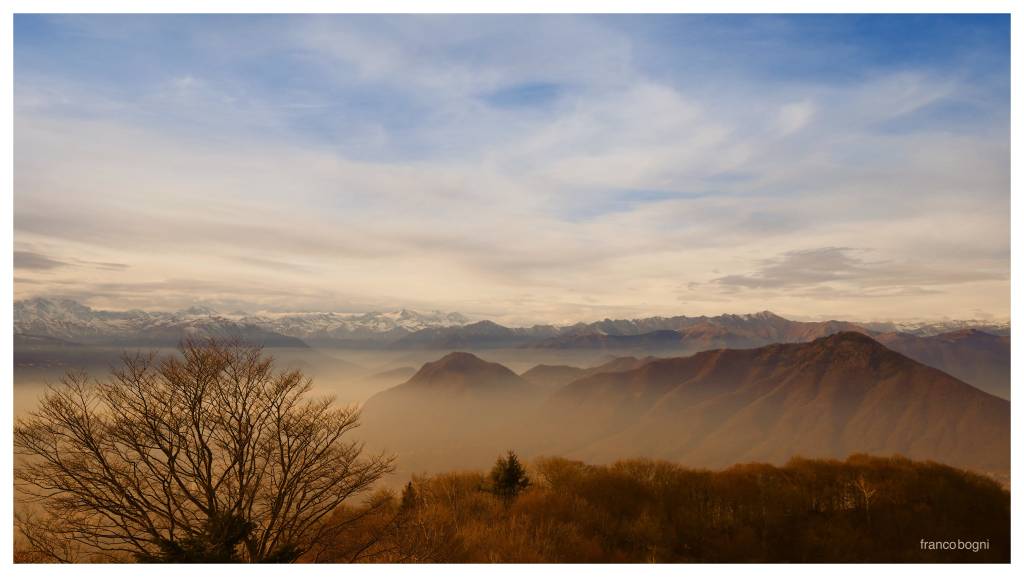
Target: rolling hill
[(831, 397), (834, 396), (450, 413)]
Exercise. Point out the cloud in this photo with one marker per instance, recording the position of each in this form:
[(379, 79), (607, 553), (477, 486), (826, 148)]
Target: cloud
[(802, 268), (821, 270), (29, 261), (113, 266), (532, 168), (24, 259)]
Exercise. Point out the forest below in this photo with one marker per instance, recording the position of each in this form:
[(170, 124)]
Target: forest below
[(863, 509)]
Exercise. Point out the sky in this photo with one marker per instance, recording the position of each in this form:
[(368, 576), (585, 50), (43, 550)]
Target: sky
[(518, 168)]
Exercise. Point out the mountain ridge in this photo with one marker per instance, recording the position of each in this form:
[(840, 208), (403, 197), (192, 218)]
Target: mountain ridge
[(966, 352), (835, 395), (56, 317), (69, 320), (840, 394)]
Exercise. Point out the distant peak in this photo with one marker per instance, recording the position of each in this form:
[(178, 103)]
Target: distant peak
[(51, 307), (460, 357), (461, 370), (44, 301), (484, 323), (197, 310), (457, 362)]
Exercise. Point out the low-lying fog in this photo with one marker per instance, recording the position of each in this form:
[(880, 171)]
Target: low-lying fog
[(350, 376)]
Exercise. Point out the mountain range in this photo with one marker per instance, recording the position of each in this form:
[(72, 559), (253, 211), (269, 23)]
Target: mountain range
[(833, 396), (975, 351), (405, 329), (71, 321), (705, 391)]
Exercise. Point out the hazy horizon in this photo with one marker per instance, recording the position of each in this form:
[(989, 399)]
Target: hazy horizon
[(201, 304), (523, 169)]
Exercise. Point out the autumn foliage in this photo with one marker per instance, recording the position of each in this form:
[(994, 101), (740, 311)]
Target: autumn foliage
[(859, 510)]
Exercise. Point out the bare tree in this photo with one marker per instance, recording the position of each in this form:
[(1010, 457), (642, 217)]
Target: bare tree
[(867, 493), (210, 456)]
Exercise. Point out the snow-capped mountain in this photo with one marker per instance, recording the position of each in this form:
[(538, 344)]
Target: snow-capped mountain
[(69, 320), (72, 321), (932, 328), (373, 326), (625, 327)]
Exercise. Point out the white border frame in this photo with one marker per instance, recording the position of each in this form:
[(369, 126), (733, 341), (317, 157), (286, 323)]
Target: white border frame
[(479, 6)]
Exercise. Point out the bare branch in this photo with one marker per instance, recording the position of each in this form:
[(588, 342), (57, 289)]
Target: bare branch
[(212, 451)]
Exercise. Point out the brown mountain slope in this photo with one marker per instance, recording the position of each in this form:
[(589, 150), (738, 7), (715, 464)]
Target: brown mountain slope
[(462, 373), (831, 397), (703, 333), (834, 396), (554, 376), (759, 329), (618, 364), (973, 356)]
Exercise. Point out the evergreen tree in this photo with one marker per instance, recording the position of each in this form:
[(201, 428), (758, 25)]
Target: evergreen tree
[(408, 497), (508, 477)]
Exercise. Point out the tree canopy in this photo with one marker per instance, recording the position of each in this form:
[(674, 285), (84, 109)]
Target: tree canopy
[(863, 509)]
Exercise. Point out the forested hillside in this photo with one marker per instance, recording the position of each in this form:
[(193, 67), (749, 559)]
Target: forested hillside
[(863, 509)]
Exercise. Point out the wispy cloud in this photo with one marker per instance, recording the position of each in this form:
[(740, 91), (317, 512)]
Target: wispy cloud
[(529, 168), (24, 259), (813, 269)]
